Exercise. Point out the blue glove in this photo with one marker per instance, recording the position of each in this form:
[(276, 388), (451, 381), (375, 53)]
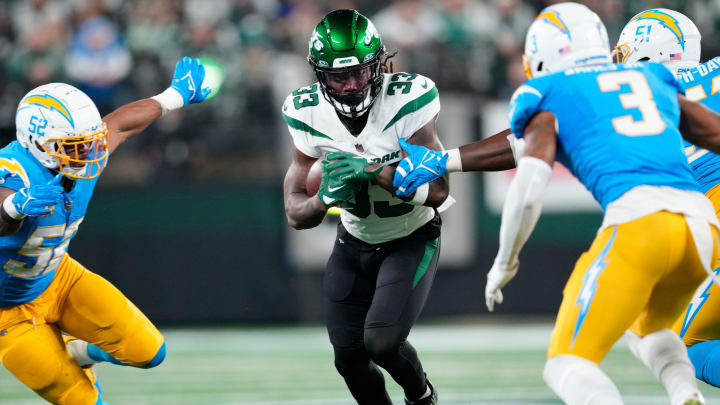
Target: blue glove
[(38, 200), (187, 80), (422, 166)]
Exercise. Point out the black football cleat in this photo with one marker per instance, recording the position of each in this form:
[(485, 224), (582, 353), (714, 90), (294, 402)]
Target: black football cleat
[(431, 399)]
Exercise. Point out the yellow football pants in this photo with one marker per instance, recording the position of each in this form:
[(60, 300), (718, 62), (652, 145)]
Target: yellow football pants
[(86, 306), (701, 321), (638, 275)]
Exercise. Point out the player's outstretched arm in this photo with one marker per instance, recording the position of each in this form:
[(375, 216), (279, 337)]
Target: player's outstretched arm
[(491, 154), (302, 211), (497, 152), (185, 88), (699, 124), (523, 202), (431, 194)]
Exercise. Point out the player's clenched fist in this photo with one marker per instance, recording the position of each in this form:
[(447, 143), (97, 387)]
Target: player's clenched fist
[(498, 276), (351, 167), (333, 190), (35, 200)]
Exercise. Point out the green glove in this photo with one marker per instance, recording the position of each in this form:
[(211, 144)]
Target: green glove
[(351, 167), (332, 190)]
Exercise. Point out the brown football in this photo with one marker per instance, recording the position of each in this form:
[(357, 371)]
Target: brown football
[(314, 178)]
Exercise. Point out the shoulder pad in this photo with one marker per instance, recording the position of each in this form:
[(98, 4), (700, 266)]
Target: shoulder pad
[(302, 101), (11, 171), (405, 94), (524, 104), (403, 87)]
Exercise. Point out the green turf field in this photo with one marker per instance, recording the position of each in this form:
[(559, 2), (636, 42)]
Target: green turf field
[(472, 363)]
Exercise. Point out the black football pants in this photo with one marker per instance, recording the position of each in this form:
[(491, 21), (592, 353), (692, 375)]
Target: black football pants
[(373, 296)]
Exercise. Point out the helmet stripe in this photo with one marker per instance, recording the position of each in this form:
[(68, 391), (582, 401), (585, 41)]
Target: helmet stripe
[(553, 18), (49, 102), (666, 20)]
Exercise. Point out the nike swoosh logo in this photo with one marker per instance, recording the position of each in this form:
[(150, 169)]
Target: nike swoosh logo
[(327, 200), (285, 108), (424, 85), (333, 189)]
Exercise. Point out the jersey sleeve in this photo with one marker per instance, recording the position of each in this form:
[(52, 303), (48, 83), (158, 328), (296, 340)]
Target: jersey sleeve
[(12, 174), (417, 103), (524, 103), (300, 131), (666, 76)]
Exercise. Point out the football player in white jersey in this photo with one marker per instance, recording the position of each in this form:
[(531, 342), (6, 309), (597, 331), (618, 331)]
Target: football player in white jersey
[(671, 38), (385, 256)]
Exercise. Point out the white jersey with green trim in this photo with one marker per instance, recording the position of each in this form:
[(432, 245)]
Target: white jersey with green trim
[(407, 102)]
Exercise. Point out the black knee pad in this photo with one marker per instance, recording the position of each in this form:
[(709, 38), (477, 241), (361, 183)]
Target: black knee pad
[(382, 344)]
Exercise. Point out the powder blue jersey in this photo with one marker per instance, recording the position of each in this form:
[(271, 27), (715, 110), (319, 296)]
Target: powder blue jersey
[(617, 126), (702, 84), (31, 255)]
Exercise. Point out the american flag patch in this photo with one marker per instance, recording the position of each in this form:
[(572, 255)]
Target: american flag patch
[(675, 56), (564, 50)]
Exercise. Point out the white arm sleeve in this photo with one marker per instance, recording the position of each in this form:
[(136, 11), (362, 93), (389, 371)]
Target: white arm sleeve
[(523, 204), (517, 145)]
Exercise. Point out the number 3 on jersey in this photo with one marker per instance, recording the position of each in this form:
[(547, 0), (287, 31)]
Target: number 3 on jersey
[(306, 97), (640, 97)]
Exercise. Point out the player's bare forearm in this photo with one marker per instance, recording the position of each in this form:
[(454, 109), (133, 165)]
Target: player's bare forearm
[(437, 194), (541, 137), (487, 155), (302, 211), (699, 124), (129, 120), (10, 226)]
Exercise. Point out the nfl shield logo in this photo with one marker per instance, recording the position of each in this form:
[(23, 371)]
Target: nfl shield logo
[(359, 148)]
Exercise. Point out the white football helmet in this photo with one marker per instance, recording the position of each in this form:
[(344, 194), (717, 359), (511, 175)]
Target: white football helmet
[(660, 35), (63, 130), (562, 36)]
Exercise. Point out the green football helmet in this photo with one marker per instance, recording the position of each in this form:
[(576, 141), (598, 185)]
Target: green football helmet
[(346, 43)]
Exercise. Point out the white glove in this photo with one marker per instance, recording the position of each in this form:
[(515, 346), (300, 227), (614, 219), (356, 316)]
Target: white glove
[(497, 277)]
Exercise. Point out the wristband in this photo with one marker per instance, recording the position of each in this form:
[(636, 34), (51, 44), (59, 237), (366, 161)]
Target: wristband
[(169, 100), (517, 146), (454, 163), (421, 195), (8, 212)]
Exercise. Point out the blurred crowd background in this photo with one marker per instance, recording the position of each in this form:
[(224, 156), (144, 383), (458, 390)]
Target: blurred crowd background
[(118, 51)]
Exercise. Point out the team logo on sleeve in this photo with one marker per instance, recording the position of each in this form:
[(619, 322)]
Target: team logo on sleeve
[(12, 166), (666, 21), (553, 18)]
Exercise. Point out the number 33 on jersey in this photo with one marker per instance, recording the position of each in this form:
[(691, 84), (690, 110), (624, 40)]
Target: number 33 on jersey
[(406, 103)]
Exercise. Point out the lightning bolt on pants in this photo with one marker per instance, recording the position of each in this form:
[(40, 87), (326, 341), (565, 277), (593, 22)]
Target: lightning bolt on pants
[(638, 275), (701, 320)]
